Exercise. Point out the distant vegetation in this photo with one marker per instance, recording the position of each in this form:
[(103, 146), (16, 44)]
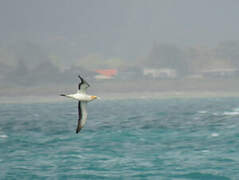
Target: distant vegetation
[(30, 63)]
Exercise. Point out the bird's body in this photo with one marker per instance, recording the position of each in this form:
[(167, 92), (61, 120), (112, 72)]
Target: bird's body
[(82, 99)]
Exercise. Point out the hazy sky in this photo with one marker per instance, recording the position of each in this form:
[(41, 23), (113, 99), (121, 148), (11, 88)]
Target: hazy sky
[(121, 27)]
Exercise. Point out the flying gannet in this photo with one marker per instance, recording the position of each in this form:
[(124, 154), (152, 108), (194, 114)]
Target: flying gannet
[(83, 99)]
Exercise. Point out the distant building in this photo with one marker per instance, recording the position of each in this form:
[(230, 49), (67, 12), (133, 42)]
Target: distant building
[(219, 68), (106, 73), (163, 73), (222, 72), (130, 73)]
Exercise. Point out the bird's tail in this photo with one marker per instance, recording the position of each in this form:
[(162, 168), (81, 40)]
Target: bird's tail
[(78, 127)]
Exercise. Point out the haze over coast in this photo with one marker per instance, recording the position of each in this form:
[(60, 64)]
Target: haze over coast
[(121, 48)]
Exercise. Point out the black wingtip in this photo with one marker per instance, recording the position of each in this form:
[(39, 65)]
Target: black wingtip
[(78, 130), (62, 95), (83, 81)]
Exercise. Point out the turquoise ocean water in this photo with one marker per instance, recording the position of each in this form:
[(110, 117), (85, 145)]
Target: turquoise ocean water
[(125, 139)]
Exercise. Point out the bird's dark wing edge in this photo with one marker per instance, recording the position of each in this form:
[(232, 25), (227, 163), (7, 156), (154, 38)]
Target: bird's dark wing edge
[(82, 82), (79, 118)]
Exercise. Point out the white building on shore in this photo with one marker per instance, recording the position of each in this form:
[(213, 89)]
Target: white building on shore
[(162, 73)]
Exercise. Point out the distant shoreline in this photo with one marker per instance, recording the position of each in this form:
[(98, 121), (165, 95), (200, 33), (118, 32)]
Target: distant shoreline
[(119, 89)]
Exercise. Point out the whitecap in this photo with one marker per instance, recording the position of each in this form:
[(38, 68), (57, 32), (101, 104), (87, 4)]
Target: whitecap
[(231, 113), (231, 126), (195, 118), (3, 136), (202, 112), (205, 151), (214, 134), (236, 109)]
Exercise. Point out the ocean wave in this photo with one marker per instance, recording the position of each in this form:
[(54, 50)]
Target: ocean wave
[(236, 109), (202, 112), (168, 139), (233, 113), (3, 136), (214, 134), (216, 114), (199, 175)]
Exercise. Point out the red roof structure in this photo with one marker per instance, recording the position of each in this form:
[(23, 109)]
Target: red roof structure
[(107, 72)]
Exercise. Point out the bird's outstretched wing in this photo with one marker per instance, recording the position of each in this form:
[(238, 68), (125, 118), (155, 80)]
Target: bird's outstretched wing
[(83, 85), (82, 115)]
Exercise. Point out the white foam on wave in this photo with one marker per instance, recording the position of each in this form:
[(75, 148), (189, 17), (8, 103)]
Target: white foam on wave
[(234, 112), (231, 113), (214, 134), (196, 118), (236, 109), (3, 136), (202, 112)]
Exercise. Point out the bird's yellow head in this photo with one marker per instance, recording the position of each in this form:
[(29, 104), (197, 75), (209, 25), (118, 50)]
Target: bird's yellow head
[(93, 97)]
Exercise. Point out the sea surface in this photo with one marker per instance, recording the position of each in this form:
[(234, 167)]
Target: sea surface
[(123, 139)]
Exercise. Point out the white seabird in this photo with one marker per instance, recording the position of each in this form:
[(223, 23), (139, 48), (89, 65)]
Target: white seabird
[(83, 99)]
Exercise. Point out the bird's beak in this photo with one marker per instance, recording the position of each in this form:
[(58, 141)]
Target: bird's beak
[(95, 97)]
